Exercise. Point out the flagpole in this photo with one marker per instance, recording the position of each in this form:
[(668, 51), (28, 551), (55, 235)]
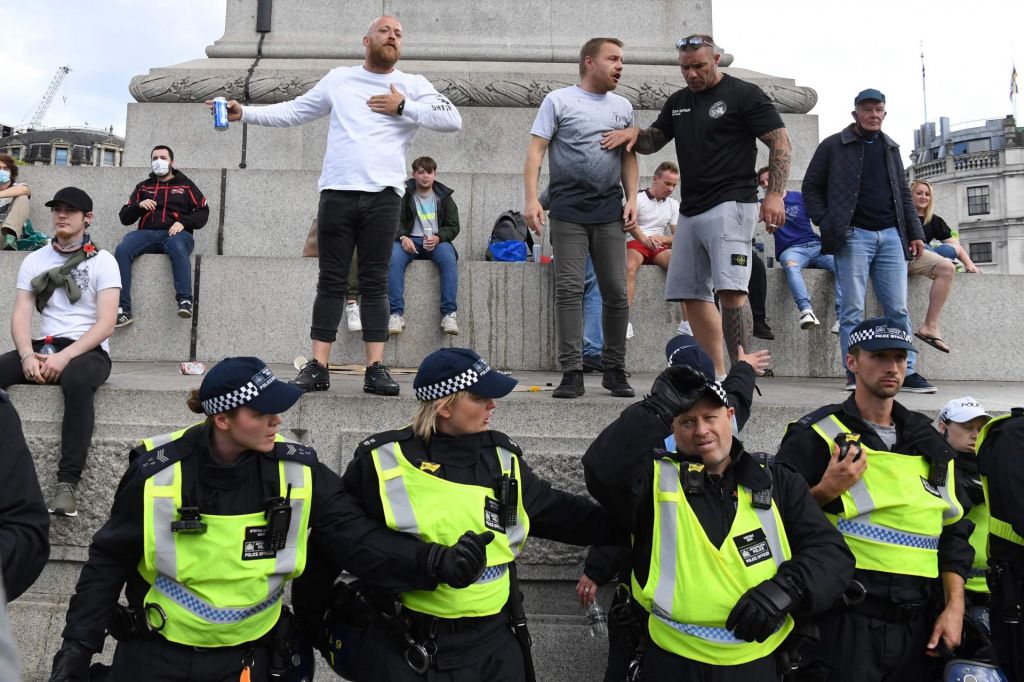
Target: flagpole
[(924, 91)]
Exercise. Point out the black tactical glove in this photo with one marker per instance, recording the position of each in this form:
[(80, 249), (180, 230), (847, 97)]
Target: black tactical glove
[(71, 663), (760, 611), (674, 391), (461, 564)]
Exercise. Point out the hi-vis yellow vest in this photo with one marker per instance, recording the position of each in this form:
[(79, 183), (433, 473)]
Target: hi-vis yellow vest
[(998, 527), (438, 510), (219, 588), (976, 579), (892, 517), (692, 586)]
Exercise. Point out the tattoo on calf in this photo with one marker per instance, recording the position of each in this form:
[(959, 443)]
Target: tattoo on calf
[(737, 324)]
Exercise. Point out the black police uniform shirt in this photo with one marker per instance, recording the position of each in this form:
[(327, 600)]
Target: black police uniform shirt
[(619, 469), (239, 488), (805, 452), (1000, 462), (716, 133)]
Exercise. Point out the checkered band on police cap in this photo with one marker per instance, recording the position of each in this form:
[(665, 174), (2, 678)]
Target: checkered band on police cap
[(459, 382), (242, 395), (880, 332), (717, 389)]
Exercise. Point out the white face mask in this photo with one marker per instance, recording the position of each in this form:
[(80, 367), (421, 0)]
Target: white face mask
[(161, 166)]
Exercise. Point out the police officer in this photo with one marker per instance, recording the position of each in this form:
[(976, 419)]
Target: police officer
[(1002, 475), (885, 477), (208, 525), (450, 470), (726, 546)]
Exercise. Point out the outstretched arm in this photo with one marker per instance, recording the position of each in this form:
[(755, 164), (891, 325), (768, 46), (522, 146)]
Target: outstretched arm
[(780, 158)]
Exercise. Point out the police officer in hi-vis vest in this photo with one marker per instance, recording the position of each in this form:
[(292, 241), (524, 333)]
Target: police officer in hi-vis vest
[(208, 526), (727, 547), (885, 477), (1001, 465), (446, 472)]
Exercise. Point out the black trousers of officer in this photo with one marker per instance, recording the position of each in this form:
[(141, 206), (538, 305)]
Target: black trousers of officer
[(1008, 641), (496, 659), (857, 648), (155, 659), (662, 666)]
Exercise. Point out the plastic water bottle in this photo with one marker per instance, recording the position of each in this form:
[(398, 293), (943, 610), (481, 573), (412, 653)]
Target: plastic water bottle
[(428, 232), (596, 620), (48, 348)]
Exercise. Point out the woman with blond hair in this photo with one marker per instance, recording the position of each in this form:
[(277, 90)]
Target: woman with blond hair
[(936, 228)]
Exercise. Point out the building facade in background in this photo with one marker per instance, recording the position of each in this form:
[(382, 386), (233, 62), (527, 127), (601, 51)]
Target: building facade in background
[(65, 147)]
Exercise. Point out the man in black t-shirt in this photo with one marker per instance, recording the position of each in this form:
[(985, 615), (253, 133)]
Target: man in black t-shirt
[(715, 122)]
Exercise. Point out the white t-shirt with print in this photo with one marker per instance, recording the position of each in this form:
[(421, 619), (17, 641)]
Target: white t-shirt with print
[(655, 217), (60, 318)]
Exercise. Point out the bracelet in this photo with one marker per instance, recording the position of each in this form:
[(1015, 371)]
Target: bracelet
[(27, 355), (401, 107)]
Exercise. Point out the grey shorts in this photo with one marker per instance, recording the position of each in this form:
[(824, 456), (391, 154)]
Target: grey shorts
[(711, 252)]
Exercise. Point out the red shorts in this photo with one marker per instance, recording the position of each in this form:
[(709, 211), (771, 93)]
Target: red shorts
[(646, 252)]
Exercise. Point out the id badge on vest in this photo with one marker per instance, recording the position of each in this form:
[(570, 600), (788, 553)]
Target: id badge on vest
[(753, 547), (257, 544), (492, 515)]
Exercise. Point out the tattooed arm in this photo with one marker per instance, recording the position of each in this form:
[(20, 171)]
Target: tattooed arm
[(644, 141), (780, 159)]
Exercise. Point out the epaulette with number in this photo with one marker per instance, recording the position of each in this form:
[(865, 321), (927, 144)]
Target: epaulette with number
[(502, 440), (150, 462), (295, 452), (376, 440), (809, 420)]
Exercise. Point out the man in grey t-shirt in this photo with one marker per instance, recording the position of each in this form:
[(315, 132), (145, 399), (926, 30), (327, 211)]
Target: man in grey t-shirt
[(586, 207)]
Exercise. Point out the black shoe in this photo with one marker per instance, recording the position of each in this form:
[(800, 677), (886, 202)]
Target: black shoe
[(378, 381), (313, 377), (592, 363), (185, 309), (571, 386), (615, 381), (763, 331)]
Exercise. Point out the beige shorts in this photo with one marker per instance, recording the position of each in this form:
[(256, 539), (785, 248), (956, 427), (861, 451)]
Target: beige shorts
[(925, 265)]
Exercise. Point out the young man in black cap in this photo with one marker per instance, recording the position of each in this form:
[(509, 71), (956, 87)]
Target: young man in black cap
[(886, 478), (727, 547), (75, 287)]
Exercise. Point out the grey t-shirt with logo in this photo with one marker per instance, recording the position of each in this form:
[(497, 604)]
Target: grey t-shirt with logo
[(426, 214), (585, 180)]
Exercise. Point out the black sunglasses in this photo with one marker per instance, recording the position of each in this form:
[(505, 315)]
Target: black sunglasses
[(693, 43)]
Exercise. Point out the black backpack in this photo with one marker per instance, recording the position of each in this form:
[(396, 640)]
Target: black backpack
[(509, 227)]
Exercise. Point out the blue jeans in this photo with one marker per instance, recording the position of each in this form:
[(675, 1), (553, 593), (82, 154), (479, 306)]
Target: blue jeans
[(178, 248), (593, 336), (878, 254), (807, 256), (944, 250), (444, 258)]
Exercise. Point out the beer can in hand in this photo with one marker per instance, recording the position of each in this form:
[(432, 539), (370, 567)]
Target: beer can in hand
[(220, 113)]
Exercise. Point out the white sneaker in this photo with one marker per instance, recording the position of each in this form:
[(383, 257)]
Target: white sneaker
[(450, 325), (629, 330), (835, 328), (807, 319), (396, 325), (355, 324), (684, 328)]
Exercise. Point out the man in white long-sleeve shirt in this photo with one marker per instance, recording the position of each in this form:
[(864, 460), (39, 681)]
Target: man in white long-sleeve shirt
[(375, 112)]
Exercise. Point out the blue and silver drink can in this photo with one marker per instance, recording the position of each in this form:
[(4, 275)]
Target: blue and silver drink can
[(220, 113)]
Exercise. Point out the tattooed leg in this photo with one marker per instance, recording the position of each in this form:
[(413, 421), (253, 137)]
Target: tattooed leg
[(737, 324)]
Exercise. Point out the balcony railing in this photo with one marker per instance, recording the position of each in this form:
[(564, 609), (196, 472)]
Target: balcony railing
[(955, 164)]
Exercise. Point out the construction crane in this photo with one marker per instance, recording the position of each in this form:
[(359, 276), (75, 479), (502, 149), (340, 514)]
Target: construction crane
[(44, 103)]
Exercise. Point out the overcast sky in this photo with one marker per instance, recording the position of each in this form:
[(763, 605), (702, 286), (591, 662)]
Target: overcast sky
[(835, 48)]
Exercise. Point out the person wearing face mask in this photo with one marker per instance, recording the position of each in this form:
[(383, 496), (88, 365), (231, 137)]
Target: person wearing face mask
[(14, 206), (168, 207)]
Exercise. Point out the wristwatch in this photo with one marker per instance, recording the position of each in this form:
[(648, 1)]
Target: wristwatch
[(401, 107)]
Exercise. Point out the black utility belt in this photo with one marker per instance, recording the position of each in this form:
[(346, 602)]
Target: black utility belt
[(426, 622), (894, 612)]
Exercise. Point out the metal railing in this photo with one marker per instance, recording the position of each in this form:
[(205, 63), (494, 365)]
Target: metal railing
[(955, 164)]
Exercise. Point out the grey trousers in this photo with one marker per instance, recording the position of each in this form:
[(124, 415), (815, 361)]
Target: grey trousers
[(606, 244)]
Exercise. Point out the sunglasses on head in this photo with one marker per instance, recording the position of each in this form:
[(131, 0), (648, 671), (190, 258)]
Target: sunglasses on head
[(693, 43)]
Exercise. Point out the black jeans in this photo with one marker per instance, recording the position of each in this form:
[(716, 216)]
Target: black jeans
[(79, 382), (158, 660), (757, 290), (367, 223)]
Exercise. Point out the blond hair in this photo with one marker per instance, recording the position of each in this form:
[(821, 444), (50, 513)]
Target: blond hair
[(931, 199), (424, 423)]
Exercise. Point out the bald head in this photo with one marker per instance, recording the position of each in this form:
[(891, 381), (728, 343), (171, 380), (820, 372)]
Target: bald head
[(383, 43), (385, 18)]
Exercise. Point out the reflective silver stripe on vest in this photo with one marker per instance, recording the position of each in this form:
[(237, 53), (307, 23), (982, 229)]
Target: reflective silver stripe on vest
[(771, 533), (706, 632), (394, 490), (162, 439), (664, 591), (198, 606), (164, 510), (859, 490), (860, 527), (952, 509), (516, 534)]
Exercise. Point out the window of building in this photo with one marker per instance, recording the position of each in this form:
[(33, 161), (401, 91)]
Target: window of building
[(17, 152), (108, 157), (60, 156), (977, 200), (981, 252)]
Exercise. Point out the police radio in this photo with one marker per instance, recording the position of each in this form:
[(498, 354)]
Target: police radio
[(279, 517)]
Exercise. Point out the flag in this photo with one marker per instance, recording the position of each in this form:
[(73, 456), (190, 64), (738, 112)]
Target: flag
[(1013, 83)]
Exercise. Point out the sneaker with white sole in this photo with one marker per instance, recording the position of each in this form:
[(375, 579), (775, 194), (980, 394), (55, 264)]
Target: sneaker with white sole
[(355, 323), (450, 325), (63, 502), (123, 319), (396, 325), (915, 383), (629, 330), (807, 319), (835, 328), (185, 309), (684, 328)]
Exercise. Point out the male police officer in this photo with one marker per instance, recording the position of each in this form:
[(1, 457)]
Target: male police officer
[(885, 478), (725, 548)]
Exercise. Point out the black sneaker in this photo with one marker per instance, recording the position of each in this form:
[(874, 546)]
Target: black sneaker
[(615, 381), (592, 363), (184, 309), (378, 381), (763, 331), (915, 383), (571, 386), (313, 377), (123, 319)]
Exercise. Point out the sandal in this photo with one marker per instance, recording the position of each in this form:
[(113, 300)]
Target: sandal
[(933, 341)]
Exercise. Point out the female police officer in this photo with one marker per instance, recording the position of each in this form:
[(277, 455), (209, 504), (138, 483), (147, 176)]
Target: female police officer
[(446, 472), (208, 525)]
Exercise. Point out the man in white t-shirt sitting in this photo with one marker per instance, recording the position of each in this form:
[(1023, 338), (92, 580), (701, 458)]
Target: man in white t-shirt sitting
[(650, 242), (75, 287)]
